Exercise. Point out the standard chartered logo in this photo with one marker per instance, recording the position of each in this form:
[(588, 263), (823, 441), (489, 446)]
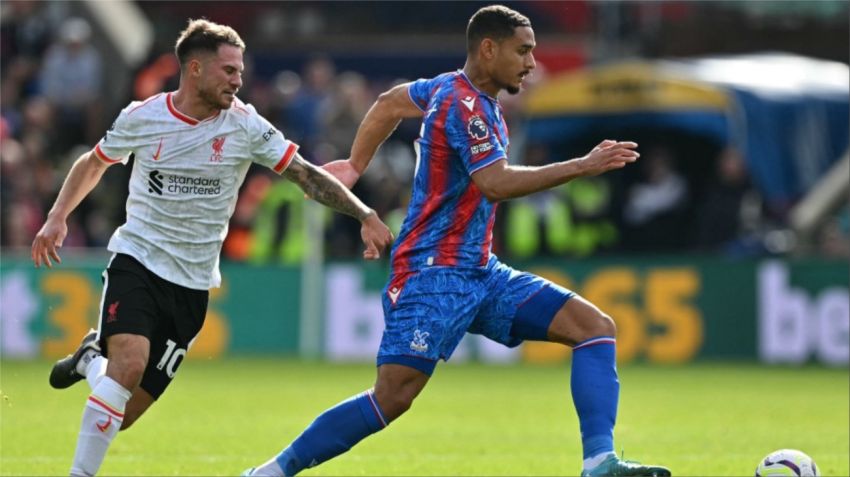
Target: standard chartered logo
[(193, 185), (155, 182), (183, 185)]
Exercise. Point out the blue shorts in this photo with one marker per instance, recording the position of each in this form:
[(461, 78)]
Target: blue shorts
[(427, 312)]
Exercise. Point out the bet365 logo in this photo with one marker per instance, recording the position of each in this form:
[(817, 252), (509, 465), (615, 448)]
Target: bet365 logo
[(155, 182)]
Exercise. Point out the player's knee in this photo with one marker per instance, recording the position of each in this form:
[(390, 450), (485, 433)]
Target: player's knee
[(593, 325), (605, 325), (127, 372), (395, 400), (396, 388), (128, 358), (134, 369), (394, 404)]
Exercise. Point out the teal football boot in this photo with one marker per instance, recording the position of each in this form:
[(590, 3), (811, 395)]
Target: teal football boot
[(615, 467)]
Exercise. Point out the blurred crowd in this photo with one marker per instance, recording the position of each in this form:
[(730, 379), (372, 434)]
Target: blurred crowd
[(53, 75)]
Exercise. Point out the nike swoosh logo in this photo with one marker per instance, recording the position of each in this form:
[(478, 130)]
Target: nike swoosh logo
[(156, 156), (106, 425)]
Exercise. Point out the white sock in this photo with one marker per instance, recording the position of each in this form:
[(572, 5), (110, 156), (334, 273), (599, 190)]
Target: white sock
[(269, 469), (592, 462), (85, 360), (94, 370), (102, 419)]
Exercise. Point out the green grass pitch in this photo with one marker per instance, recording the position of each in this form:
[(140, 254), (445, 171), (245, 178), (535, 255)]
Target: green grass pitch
[(220, 417)]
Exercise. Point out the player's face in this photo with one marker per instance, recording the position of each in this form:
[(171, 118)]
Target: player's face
[(514, 60), (221, 77)]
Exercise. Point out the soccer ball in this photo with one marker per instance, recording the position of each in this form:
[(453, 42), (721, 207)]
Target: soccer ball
[(788, 462)]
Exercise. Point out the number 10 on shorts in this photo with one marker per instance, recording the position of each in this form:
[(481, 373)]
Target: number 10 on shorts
[(170, 357)]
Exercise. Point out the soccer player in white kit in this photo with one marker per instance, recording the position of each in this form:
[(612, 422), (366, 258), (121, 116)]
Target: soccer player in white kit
[(192, 151)]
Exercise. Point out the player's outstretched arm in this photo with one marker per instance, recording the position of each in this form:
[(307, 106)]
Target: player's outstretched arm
[(501, 181), (327, 190), (383, 117), (82, 178)]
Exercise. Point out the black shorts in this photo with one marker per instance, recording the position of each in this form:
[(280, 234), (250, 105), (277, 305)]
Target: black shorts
[(138, 302)]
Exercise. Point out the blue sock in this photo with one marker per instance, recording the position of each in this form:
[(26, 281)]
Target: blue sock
[(595, 391), (333, 433)]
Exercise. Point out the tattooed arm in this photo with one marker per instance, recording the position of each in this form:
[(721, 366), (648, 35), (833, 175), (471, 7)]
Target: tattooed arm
[(327, 190)]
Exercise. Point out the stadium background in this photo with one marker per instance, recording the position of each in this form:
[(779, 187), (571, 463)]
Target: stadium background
[(725, 248)]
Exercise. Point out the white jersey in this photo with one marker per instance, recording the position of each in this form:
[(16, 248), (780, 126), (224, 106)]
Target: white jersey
[(185, 181)]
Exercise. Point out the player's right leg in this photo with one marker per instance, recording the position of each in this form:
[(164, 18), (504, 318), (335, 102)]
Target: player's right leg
[(88, 363), (126, 318), (338, 429), (426, 315), (104, 411)]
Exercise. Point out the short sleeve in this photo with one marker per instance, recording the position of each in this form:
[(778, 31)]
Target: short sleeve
[(120, 139), (268, 145), (471, 129), (421, 91)]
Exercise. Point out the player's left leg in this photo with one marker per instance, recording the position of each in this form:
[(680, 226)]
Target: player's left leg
[(593, 380), (594, 385), (526, 307)]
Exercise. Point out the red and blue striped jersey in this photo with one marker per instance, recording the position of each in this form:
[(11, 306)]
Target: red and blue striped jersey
[(449, 221)]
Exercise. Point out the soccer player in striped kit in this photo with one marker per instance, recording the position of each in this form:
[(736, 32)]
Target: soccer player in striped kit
[(445, 281), (192, 151)]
